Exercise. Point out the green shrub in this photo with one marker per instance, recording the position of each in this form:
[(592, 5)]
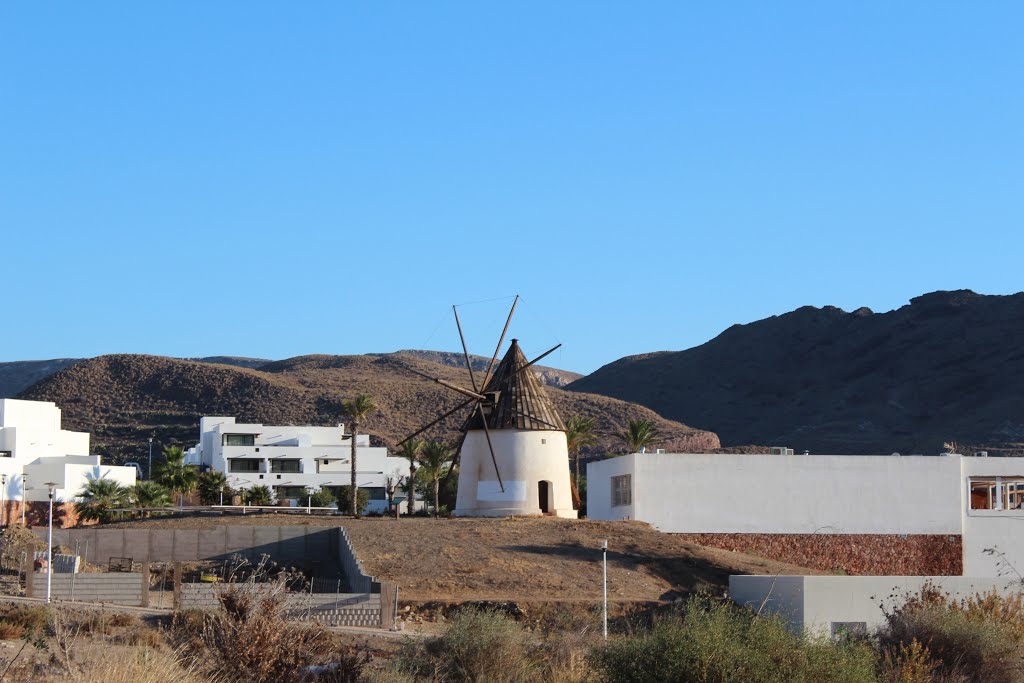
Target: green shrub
[(480, 645), (345, 499), (716, 642)]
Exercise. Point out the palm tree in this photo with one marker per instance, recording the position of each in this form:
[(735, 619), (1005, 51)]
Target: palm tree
[(410, 450), (258, 495), (639, 435), (580, 432), (100, 497), (149, 494), (175, 474), (436, 455), (210, 486), (358, 409)]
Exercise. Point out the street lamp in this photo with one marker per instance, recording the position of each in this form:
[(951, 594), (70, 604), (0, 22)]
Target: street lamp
[(222, 495), (149, 472), (52, 486), (604, 553), (24, 497), (3, 506)]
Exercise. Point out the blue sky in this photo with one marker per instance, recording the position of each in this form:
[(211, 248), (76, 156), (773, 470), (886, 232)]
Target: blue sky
[(275, 179)]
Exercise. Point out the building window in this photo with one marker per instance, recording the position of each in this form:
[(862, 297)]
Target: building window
[(375, 492), (622, 490), (286, 466), (239, 439), (240, 465), (282, 492), (997, 493), (5, 454)]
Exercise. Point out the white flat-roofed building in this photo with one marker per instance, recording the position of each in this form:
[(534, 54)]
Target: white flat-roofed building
[(292, 460), (879, 514), (34, 451)]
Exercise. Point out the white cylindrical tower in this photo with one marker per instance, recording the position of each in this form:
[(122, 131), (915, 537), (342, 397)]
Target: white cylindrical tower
[(528, 472)]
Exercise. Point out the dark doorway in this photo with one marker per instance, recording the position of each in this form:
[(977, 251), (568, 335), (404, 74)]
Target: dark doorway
[(544, 495)]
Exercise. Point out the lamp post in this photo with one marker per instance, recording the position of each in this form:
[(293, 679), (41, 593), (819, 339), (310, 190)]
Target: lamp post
[(222, 496), (3, 505), (604, 553), (149, 472), (309, 500), (49, 543), (24, 497)]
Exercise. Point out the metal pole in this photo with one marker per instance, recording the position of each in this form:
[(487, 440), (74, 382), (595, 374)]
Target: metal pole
[(394, 623), (222, 496), (49, 551), (604, 553), (149, 474), (309, 504), (3, 506), (24, 498)]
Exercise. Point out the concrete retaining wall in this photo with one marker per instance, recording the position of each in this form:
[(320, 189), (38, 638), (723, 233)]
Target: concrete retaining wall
[(307, 547), (358, 580), (330, 609), (116, 588)]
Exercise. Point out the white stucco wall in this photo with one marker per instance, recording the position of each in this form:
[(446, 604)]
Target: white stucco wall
[(813, 603), (993, 539), (525, 458), (791, 494)]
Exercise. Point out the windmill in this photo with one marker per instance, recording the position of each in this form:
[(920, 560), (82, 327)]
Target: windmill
[(512, 448)]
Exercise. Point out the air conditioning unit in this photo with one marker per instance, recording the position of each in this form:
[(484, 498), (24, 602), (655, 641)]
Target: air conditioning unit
[(659, 450), (780, 450), (980, 454)]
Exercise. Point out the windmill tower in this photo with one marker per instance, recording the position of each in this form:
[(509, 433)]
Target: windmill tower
[(514, 456)]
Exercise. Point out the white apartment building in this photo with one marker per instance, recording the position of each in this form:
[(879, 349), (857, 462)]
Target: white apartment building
[(34, 451), (292, 460), (969, 508)]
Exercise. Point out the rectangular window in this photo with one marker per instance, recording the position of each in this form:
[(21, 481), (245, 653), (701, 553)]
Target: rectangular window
[(997, 493), (286, 466), (289, 492), (239, 439), (622, 490), (375, 492), (240, 465), (5, 454)]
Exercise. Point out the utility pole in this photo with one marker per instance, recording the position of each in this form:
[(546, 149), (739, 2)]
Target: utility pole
[(604, 553)]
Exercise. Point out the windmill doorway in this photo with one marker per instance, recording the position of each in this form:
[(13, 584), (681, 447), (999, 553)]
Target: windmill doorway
[(545, 495)]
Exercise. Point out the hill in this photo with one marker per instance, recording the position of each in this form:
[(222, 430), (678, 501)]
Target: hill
[(945, 367), (521, 559), (124, 399)]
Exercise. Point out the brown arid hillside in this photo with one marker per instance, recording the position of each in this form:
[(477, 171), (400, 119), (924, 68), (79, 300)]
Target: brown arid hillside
[(947, 367), (124, 399), (536, 559)]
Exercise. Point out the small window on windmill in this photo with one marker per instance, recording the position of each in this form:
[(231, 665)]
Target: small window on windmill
[(543, 441), (622, 490)]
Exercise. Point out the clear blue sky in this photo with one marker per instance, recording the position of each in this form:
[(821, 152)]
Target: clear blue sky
[(275, 179)]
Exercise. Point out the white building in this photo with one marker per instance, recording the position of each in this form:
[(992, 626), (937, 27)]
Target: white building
[(291, 460), (527, 473), (965, 506), (34, 451)]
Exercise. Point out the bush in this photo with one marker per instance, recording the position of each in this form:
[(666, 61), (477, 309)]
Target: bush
[(322, 498), (480, 645), (18, 620), (716, 642), (980, 639), (345, 499), (258, 495)]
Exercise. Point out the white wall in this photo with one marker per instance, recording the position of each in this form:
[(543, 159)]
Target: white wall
[(993, 539), (525, 458), (791, 494), (813, 603)]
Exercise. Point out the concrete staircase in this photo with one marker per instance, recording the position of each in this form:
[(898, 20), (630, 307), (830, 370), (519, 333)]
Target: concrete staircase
[(364, 610)]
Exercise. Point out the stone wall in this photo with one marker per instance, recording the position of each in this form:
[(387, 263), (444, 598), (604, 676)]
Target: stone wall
[(858, 554), (114, 588), (37, 513)]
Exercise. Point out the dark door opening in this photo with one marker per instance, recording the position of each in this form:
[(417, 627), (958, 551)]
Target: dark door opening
[(544, 495)]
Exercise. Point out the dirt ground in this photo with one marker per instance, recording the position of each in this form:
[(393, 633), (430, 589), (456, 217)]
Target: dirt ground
[(540, 559)]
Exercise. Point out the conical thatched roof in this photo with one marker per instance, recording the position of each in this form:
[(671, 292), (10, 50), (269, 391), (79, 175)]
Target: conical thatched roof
[(520, 401)]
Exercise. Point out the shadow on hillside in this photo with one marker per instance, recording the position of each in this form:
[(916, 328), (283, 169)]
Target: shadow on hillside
[(687, 573)]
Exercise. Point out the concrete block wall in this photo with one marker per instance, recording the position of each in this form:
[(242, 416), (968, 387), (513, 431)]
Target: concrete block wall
[(358, 580), (330, 609), (115, 588)]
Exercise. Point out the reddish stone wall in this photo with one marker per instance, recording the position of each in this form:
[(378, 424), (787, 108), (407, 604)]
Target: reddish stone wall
[(860, 554), (36, 513)]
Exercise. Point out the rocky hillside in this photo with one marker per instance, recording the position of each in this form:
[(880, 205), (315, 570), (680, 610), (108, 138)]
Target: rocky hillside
[(948, 366), (123, 399)]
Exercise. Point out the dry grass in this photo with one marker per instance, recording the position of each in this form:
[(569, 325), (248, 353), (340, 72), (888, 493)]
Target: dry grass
[(528, 559)]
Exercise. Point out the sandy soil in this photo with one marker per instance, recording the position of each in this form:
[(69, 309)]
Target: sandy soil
[(523, 558)]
